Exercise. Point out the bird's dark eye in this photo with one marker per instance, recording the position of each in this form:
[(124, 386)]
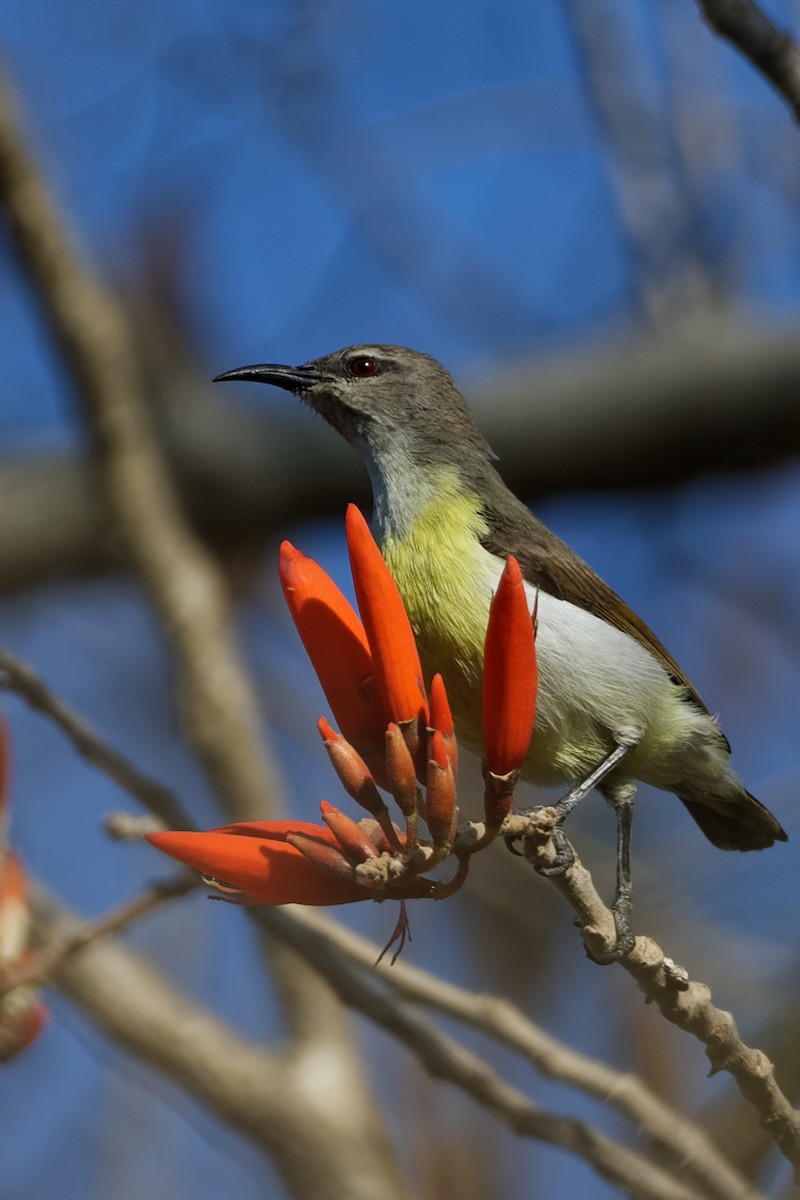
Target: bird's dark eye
[(362, 367)]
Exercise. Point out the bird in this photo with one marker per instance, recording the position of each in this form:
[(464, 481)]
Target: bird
[(614, 708)]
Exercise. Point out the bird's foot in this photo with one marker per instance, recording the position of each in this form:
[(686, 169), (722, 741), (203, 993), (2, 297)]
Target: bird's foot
[(564, 855), (625, 938)]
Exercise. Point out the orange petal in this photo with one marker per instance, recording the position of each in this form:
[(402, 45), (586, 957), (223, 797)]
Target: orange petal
[(266, 868), (14, 912), (336, 643), (441, 718), (18, 1031), (388, 629), (509, 675)]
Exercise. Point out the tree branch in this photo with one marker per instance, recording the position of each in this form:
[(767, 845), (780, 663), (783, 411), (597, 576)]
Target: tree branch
[(710, 394), (677, 1140), (771, 50), (683, 1002), (277, 1104), (17, 676), (95, 339), (38, 968), (444, 1058), (219, 705)]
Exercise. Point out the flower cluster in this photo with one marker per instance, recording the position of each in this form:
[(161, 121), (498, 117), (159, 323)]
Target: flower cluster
[(395, 740), (22, 1013)]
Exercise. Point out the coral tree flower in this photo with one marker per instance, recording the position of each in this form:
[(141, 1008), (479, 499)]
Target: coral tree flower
[(289, 862), (335, 641), (391, 739), (388, 629), (509, 675), (256, 863), (22, 1013)]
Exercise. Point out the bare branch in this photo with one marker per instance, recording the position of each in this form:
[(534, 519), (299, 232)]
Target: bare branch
[(709, 394), (17, 676), (94, 336), (279, 1106), (771, 50), (218, 701), (444, 1058), (683, 1002), (680, 1141), (38, 968)]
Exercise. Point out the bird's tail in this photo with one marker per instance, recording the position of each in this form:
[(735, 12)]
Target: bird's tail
[(738, 822)]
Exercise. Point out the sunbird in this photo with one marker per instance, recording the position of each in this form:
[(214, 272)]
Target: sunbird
[(613, 705)]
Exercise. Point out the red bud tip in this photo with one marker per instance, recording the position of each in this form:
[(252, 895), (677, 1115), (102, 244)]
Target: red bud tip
[(326, 731), (441, 717), (509, 675)]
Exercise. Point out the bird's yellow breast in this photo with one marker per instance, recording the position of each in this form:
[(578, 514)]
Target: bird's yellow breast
[(446, 579)]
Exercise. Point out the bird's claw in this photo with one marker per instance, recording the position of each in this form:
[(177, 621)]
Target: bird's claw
[(564, 855), (625, 938)]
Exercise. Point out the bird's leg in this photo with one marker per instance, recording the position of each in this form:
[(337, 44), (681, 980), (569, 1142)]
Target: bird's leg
[(621, 795), (564, 856), (581, 790)]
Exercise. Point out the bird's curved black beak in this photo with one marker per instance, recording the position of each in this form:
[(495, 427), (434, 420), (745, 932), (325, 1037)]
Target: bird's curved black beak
[(292, 379)]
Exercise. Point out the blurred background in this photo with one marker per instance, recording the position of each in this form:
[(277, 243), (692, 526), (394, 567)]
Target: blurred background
[(588, 210)]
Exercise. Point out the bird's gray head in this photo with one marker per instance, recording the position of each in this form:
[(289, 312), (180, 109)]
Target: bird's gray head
[(398, 407)]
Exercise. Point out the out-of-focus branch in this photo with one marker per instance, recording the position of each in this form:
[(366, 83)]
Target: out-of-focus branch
[(693, 1156), (444, 1058), (710, 394), (17, 676), (682, 1001), (219, 704), (95, 339), (281, 1106), (38, 967), (771, 50)]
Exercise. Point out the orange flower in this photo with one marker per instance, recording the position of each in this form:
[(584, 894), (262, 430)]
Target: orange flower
[(337, 645), (441, 718), (22, 1014), (254, 861), (388, 629), (290, 862), (509, 675)]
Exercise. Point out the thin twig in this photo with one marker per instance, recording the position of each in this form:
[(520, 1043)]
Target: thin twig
[(37, 968), (281, 1110), (680, 1141), (217, 700), (682, 1001), (94, 335), (771, 50), (445, 1058), (18, 677)]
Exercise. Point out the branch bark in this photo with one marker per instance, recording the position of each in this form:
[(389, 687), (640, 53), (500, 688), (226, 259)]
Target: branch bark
[(682, 1001), (771, 50), (710, 394), (323, 1149)]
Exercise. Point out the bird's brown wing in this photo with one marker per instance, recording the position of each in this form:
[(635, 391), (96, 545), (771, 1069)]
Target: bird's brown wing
[(550, 564)]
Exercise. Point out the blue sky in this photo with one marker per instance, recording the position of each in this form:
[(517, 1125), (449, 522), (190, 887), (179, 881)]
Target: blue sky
[(305, 176)]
